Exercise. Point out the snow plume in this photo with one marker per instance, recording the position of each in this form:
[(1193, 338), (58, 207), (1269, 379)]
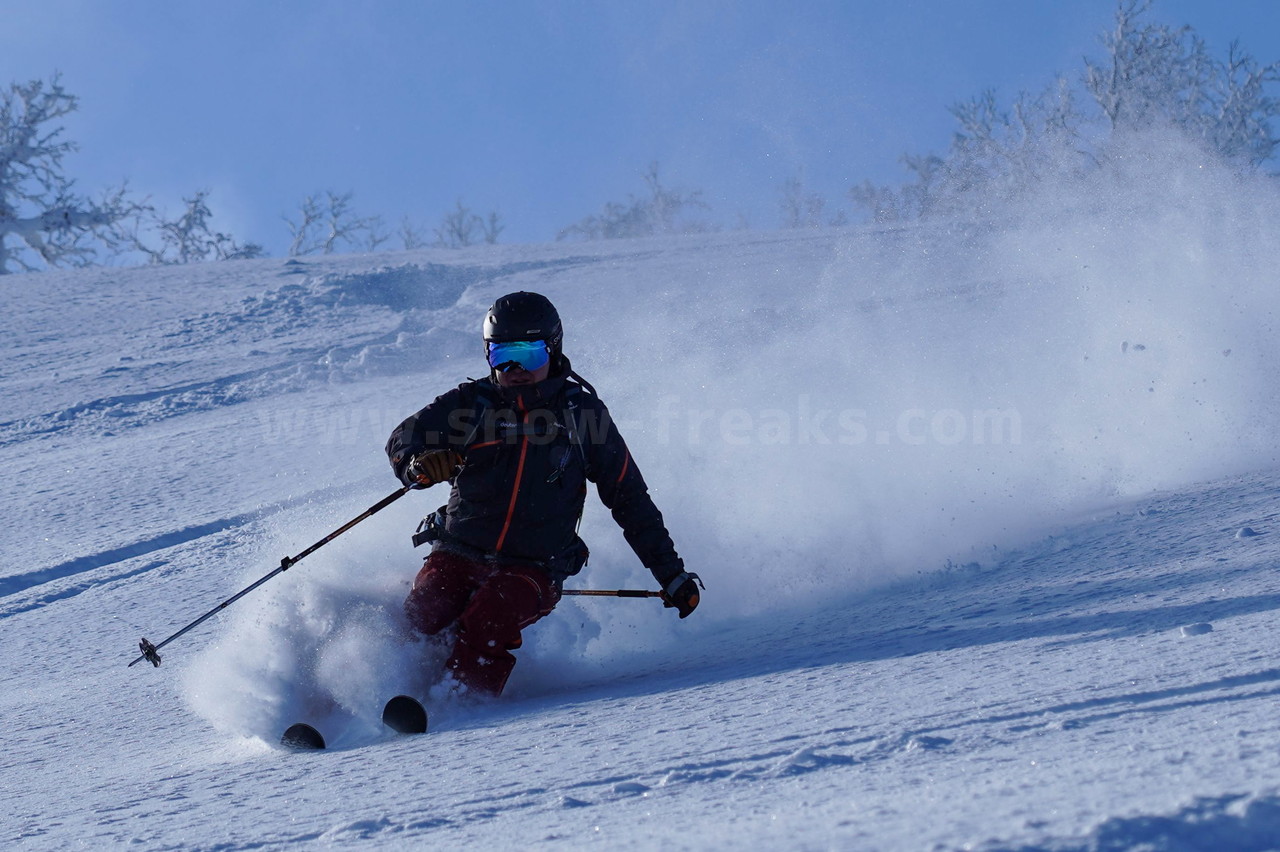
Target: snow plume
[(869, 408), (820, 413), (325, 642)]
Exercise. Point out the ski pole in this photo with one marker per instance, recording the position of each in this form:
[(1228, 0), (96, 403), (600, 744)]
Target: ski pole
[(614, 593), (149, 650)]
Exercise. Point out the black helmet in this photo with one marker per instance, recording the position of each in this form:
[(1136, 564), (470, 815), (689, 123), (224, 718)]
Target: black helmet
[(524, 316)]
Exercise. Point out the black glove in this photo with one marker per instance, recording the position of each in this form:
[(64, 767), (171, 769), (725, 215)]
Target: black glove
[(682, 593), (432, 466)]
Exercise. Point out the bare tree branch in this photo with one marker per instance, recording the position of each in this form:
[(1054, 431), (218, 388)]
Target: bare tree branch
[(41, 215), (660, 212), (322, 226)]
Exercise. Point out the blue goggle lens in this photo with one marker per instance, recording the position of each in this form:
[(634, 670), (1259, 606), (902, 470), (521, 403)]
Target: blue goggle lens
[(529, 354)]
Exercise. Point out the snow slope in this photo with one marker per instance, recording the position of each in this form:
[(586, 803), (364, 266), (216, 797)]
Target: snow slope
[(964, 499)]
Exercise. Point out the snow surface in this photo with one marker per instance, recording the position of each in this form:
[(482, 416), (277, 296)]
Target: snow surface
[(970, 504)]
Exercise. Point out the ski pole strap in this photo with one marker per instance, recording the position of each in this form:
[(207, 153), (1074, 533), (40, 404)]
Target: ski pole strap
[(678, 580)]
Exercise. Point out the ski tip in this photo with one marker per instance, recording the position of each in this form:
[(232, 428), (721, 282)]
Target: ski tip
[(405, 715), (302, 737)]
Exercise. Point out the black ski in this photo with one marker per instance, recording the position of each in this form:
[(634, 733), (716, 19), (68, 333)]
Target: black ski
[(302, 737), (405, 715)]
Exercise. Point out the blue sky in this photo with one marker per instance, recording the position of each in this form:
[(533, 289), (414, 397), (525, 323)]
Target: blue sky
[(540, 110)]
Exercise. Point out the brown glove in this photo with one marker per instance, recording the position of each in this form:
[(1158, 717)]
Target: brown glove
[(432, 466)]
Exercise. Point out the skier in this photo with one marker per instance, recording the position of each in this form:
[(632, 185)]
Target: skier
[(518, 448)]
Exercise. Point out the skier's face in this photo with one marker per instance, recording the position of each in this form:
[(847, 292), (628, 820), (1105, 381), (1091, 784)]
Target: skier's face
[(518, 376)]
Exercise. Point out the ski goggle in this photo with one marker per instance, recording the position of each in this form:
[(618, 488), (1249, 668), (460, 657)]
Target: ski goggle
[(528, 354)]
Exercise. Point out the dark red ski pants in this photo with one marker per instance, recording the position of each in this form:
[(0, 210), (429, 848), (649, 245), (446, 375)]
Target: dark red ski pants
[(490, 604)]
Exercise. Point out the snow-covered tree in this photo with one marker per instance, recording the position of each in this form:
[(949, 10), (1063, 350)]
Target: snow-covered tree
[(459, 228), (323, 225), (188, 238), (376, 233), (1154, 74), (658, 212), (411, 236), (463, 227), (1151, 79), (995, 155), (804, 209), (43, 221)]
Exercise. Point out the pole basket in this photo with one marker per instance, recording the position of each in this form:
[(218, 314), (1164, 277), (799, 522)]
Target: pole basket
[(149, 652)]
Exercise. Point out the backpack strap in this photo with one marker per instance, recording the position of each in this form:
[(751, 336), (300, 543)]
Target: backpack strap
[(586, 385), (573, 404), (484, 401)]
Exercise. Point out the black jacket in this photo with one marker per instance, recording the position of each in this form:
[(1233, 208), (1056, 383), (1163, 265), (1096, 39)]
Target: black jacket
[(521, 488)]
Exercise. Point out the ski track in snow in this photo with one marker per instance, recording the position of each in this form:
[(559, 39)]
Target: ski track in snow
[(21, 592), (1045, 696), (365, 314), (16, 584)]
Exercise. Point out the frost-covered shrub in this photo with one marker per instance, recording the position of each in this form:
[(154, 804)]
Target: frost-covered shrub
[(1152, 81)]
